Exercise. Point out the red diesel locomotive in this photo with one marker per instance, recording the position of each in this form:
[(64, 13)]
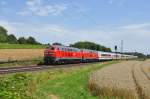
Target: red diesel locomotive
[(56, 54)]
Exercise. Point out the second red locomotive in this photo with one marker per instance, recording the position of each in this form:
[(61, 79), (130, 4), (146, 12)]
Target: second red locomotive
[(62, 54)]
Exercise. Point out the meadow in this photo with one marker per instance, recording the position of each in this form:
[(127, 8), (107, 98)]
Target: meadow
[(65, 83), (21, 46)]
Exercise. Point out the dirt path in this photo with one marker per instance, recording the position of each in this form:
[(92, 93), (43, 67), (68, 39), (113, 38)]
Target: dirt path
[(127, 79)]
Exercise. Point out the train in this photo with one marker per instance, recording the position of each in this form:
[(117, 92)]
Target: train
[(57, 54)]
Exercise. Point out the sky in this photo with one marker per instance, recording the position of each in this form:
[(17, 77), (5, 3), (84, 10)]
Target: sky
[(106, 22)]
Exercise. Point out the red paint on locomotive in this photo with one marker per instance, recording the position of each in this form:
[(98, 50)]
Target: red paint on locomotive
[(58, 54)]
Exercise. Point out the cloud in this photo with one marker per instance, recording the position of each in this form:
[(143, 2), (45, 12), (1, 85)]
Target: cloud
[(37, 7), (136, 26), (9, 26), (53, 33), (141, 30), (41, 32), (110, 1), (2, 2), (118, 3)]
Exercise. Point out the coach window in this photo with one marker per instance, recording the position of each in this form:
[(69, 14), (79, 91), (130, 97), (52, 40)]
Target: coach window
[(69, 49), (62, 49)]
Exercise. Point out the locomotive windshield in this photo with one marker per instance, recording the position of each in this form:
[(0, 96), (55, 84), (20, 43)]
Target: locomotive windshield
[(51, 48)]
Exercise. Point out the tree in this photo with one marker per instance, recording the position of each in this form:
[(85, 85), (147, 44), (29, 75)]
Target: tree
[(148, 56), (90, 45), (32, 40), (22, 40), (56, 43), (3, 35), (12, 39)]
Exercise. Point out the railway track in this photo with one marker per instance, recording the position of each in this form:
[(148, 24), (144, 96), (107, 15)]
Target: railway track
[(9, 70)]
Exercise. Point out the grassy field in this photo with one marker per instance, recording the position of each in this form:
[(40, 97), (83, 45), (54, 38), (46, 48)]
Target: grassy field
[(67, 83), (21, 46)]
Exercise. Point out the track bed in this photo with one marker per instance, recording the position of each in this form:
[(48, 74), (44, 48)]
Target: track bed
[(39, 67)]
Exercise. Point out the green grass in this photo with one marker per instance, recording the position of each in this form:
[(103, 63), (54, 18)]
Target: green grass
[(21, 46), (66, 83)]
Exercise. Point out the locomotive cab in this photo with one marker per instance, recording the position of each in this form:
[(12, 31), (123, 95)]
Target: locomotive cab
[(49, 55)]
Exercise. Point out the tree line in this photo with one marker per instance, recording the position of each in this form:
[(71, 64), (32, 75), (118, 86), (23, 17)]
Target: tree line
[(12, 39), (140, 55), (90, 45)]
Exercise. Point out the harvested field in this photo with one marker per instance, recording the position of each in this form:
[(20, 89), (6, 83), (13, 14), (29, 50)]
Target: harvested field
[(20, 54), (143, 83), (127, 79), (146, 69)]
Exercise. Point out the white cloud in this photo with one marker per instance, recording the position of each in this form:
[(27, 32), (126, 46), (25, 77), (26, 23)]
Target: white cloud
[(136, 26), (139, 30), (2, 2), (8, 26), (110, 1), (118, 3), (41, 32), (37, 7)]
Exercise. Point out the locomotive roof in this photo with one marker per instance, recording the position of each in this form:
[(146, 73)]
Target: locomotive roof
[(67, 47)]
